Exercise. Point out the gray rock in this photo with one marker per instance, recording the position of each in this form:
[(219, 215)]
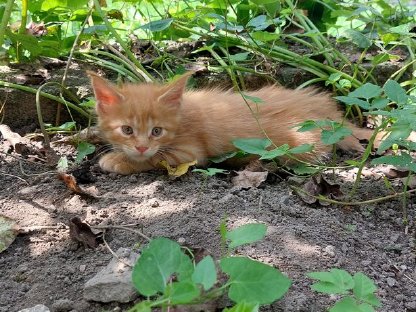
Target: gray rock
[(113, 283), (62, 305), (36, 308)]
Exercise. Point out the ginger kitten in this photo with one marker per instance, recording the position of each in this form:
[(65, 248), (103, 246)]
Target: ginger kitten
[(147, 123)]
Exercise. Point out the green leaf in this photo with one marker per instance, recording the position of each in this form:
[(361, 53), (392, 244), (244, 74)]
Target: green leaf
[(307, 125), (84, 149), (246, 234), (205, 273), (346, 304), (335, 281), (345, 84), (333, 136), (353, 101), (181, 292), (143, 306), (380, 58), (379, 103), (238, 57), (52, 4), (211, 171), (277, 152), (363, 286), (402, 29), (264, 36), (252, 145), (158, 262), (403, 160), (259, 22), (358, 39), (366, 91), (251, 98), (395, 92), (372, 300), (301, 169), (333, 78), (159, 25), (304, 148), (243, 307), (253, 281)]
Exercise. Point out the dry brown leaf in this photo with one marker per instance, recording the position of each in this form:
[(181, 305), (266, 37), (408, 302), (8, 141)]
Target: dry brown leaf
[(82, 233), (248, 179), (319, 186), (8, 232), (73, 185)]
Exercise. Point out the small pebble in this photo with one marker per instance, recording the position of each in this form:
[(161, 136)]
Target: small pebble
[(391, 281), (82, 267), (62, 305), (410, 305), (181, 240), (330, 250)]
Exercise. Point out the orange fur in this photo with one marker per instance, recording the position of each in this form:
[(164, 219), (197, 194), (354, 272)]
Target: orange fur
[(202, 124)]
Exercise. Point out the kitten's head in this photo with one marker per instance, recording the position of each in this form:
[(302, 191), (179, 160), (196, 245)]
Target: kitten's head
[(140, 119)]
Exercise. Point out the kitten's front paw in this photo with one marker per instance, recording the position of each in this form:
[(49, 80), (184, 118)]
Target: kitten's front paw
[(119, 163)]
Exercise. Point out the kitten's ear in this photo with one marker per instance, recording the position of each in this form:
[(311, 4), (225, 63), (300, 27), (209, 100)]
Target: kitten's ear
[(105, 92), (173, 92)]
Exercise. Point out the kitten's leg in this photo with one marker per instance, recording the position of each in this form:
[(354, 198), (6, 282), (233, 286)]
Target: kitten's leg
[(118, 162)]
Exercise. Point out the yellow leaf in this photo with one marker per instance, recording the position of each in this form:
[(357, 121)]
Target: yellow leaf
[(179, 170)]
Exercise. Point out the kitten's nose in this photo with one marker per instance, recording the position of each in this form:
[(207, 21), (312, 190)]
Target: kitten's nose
[(142, 149)]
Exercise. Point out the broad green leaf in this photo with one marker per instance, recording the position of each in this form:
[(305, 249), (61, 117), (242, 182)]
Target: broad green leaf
[(181, 292), (302, 169), (259, 22), (307, 125), (277, 152), (346, 304), (353, 101), (84, 149), (157, 25), (403, 160), (334, 77), (243, 307), (252, 145), (251, 98), (205, 273), (264, 36), (365, 307), (143, 306), (372, 300), (395, 92), (52, 4), (246, 234), (335, 281), (358, 38), (402, 29), (366, 91), (304, 148), (238, 57), (211, 171), (363, 286), (379, 103), (253, 281), (8, 232), (158, 262), (334, 135)]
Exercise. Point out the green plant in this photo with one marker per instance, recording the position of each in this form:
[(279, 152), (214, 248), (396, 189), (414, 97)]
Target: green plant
[(164, 270), (357, 291)]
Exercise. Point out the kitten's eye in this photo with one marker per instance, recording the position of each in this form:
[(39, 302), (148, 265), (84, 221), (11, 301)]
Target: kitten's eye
[(156, 131), (127, 130)]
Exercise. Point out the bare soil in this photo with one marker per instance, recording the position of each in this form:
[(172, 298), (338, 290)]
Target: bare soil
[(44, 267)]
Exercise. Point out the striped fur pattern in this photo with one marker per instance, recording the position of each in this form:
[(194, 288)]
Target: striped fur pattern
[(196, 125)]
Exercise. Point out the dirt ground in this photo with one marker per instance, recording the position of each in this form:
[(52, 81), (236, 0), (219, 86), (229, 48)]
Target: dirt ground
[(43, 267)]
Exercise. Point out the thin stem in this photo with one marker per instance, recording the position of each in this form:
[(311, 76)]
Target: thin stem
[(5, 20), (145, 75)]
